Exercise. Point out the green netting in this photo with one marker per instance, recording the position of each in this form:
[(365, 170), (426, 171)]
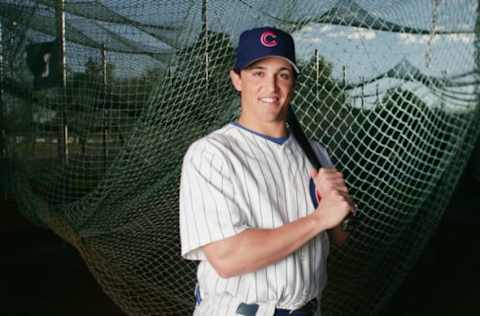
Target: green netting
[(390, 87)]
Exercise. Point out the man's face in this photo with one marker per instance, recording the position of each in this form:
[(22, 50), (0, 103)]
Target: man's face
[(266, 89)]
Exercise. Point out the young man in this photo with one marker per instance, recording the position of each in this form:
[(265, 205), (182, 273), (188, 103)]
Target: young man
[(247, 211)]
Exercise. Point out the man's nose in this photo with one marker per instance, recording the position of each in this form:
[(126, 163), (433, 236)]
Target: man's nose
[(271, 83)]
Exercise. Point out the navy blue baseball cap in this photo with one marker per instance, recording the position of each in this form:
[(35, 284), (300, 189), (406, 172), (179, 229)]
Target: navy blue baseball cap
[(263, 42)]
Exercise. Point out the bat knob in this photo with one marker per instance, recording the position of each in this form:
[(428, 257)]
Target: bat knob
[(348, 221), (346, 224)]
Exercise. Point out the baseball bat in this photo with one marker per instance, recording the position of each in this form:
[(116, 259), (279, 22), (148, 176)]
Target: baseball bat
[(297, 131)]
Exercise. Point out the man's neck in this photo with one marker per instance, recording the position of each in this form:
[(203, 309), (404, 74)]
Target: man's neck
[(272, 129)]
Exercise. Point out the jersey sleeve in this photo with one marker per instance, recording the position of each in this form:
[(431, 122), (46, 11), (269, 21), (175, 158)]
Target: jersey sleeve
[(208, 209)]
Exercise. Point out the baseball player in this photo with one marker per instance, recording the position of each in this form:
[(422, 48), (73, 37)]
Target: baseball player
[(250, 206)]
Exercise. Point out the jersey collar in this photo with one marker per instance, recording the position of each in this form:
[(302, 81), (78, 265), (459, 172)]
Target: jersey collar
[(277, 140)]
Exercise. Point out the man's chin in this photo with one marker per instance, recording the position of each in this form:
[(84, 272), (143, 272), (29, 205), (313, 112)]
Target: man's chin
[(274, 119), (276, 116)]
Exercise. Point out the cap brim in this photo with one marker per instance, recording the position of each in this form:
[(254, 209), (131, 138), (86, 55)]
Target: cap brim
[(295, 68)]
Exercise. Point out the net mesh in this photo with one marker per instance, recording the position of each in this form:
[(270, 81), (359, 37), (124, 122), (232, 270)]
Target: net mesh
[(389, 87)]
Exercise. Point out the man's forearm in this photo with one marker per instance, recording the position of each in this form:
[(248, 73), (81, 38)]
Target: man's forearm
[(254, 249)]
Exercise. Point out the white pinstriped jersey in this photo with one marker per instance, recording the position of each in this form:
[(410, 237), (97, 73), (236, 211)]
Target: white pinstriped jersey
[(234, 179)]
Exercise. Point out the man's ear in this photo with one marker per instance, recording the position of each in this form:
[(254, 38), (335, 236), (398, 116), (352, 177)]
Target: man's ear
[(236, 80)]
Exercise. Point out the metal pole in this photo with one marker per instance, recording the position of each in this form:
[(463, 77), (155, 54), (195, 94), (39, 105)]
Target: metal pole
[(3, 147), (104, 127), (104, 65), (3, 135), (363, 92), (205, 34), (442, 98), (317, 74), (476, 53), (63, 128)]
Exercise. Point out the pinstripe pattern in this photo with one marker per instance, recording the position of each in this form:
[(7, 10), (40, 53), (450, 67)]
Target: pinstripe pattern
[(232, 180)]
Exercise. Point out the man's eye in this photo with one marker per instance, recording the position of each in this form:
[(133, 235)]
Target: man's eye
[(258, 73), (285, 76)]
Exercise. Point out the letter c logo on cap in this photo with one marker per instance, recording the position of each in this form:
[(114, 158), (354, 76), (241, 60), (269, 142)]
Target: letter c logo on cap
[(268, 39)]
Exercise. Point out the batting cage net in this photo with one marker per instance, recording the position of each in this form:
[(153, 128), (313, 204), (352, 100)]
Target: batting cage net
[(96, 134)]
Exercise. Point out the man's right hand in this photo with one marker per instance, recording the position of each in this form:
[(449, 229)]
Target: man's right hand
[(335, 203)]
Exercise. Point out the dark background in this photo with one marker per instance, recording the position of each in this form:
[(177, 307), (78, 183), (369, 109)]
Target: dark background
[(40, 274), (446, 278)]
